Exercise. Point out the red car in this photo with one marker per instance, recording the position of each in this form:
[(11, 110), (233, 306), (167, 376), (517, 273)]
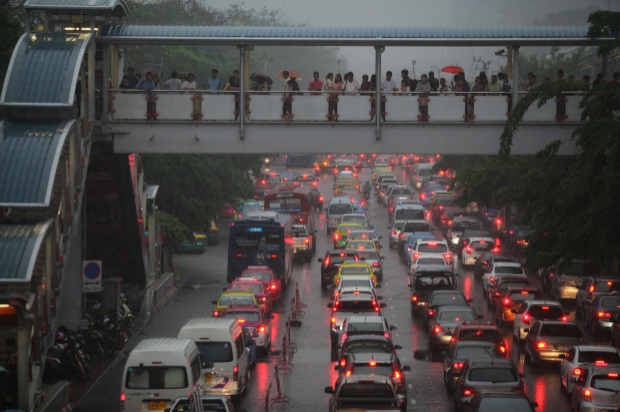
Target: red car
[(257, 288), (228, 210), (267, 276)]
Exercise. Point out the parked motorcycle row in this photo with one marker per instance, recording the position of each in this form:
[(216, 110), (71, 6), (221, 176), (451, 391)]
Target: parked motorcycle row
[(74, 351)]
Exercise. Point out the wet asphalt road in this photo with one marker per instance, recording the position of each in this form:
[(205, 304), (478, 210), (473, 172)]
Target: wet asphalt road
[(312, 369)]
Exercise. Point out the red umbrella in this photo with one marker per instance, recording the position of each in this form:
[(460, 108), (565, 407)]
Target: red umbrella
[(452, 69), (291, 73)]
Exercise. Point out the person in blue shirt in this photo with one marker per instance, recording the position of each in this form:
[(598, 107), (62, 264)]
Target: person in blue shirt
[(214, 83), (148, 85)]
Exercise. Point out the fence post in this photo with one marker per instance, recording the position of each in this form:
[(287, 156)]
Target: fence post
[(280, 397)]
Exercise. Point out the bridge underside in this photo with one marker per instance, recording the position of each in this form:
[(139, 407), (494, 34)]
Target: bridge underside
[(447, 139)]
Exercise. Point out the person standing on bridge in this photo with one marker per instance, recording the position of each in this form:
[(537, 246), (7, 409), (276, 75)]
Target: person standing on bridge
[(148, 85), (387, 87), (316, 84), (173, 83), (214, 83), (234, 84), (423, 89)]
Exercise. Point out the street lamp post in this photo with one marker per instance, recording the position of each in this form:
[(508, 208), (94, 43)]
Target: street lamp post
[(339, 62)]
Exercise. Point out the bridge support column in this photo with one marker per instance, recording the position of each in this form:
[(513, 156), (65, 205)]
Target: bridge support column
[(378, 114), (244, 66), (515, 75), (92, 48)]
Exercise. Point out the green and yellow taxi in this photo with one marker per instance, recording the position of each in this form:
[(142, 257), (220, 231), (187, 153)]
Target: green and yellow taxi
[(341, 235), (357, 268), (362, 244), (379, 170), (234, 298), (346, 184)]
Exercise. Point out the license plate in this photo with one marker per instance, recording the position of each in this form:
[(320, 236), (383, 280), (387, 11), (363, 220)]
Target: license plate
[(156, 405), (208, 377)]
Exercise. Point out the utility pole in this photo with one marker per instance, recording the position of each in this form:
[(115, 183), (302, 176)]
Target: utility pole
[(413, 69), (485, 64)]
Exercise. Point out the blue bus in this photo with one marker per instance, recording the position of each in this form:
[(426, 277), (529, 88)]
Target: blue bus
[(261, 238)]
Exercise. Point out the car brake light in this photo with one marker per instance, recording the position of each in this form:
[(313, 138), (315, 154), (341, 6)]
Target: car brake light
[(604, 315), (401, 236), (507, 301), (468, 391), (526, 319), (564, 318), (240, 320), (587, 395), (492, 279), (375, 264), (397, 375), (577, 371), (216, 313), (273, 286), (394, 233), (447, 256), (123, 397), (502, 349), (343, 362), (333, 319), (430, 312), (458, 365), (261, 328), (336, 236), (414, 298), (541, 345), (236, 373), (468, 249), (437, 329), (415, 256), (600, 363), (612, 375)]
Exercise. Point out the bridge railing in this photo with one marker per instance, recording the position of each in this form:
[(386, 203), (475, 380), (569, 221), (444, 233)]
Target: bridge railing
[(202, 106)]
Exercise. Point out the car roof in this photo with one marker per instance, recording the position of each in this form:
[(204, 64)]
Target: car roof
[(433, 268), (496, 362), (543, 302), (599, 348), (474, 343), (365, 357), (454, 308), (447, 292), (480, 324), (243, 308), (366, 318), (370, 336), (349, 297), (507, 264)]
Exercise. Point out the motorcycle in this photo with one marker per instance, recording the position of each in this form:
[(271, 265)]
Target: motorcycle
[(123, 312)]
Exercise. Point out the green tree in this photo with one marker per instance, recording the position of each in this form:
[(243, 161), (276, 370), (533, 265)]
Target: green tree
[(576, 216), (547, 64)]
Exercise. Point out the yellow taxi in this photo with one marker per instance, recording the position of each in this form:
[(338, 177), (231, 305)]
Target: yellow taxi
[(234, 298), (362, 244), (380, 170), (346, 184), (355, 268), (341, 235)]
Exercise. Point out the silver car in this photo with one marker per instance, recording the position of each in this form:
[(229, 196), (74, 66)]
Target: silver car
[(596, 389), (546, 340)]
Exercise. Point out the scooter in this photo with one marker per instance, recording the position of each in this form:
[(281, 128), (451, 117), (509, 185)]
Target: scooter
[(123, 312)]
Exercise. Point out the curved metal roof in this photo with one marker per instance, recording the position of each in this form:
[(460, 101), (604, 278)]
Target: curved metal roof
[(29, 156), (44, 69), (80, 6), (342, 36), (19, 247)]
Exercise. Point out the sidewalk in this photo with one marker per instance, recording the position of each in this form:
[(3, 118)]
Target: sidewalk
[(163, 290)]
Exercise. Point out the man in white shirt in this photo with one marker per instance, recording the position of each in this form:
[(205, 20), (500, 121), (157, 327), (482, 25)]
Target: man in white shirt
[(350, 85), (387, 87)]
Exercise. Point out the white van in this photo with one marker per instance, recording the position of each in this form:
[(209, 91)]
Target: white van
[(338, 206), (421, 173), (224, 355), (158, 371)]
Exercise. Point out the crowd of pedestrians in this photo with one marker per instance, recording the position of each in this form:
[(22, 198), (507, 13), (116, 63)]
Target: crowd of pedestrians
[(336, 85)]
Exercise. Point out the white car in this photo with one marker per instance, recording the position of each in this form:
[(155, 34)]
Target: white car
[(361, 281), (532, 310), (573, 363), (395, 232), (476, 247), (597, 390), (501, 269), (427, 260), (430, 247)]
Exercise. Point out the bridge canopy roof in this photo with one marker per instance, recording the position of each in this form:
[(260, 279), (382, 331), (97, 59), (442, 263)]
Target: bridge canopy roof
[(19, 247), (118, 7), (44, 70), (29, 156), (353, 36)]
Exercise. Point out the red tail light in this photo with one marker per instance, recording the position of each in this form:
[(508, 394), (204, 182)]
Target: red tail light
[(587, 395), (401, 236), (507, 301), (375, 264), (414, 298), (261, 328), (458, 365), (236, 373), (307, 241), (336, 236), (526, 319), (273, 286), (447, 256), (541, 345), (430, 312), (397, 375), (416, 255), (577, 371), (469, 249), (216, 313), (123, 397), (437, 329), (333, 319), (604, 315), (468, 391), (503, 350)]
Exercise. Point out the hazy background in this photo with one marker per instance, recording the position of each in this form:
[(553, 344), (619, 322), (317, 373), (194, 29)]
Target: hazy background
[(478, 13)]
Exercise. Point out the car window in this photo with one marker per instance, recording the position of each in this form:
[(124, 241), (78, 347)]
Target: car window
[(494, 375), (156, 377), (597, 356), (456, 316), (340, 209), (356, 270), (409, 214), (367, 346), (431, 282), (373, 370), (447, 299), (430, 261), (608, 382), (607, 286), (364, 327), (566, 330), (355, 305), (433, 248), (476, 352), (488, 335), (504, 404), (243, 317), (368, 254), (482, 245), (610, 302), (366, 391), (510, 270), (416, 227), (215, 351), (546, 312), (236, 300)]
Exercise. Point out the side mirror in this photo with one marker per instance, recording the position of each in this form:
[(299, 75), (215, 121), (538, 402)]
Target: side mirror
[(379, 297), (397, 347), (329, 389), (382, 305), (479, 317), (320, 260), (406, 368), (420, 354), (393, 327), (214, 302), (330, 305)]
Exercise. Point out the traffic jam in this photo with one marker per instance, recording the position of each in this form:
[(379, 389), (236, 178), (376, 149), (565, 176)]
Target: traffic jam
[(397, 299)]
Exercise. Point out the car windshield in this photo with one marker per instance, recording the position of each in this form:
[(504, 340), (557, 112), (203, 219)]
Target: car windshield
[(607, 286), (608, 382), (398, 225), (372, 370), (254, 287), (355, 305), (482, 245), (409, 214), (340, 209), (243, 317), (447, 299), (546, 312), (364, 327), (368, 254), (432, 282), (492, 374), (487, 335), (456, 316), (566, 330), (430, 261), (521, 296), (510, 270), (504, 404), (610, 302), (599, 356), (363, 390), (476, 352), (264, 276), (367, 346), (416, 227), (433, 248)]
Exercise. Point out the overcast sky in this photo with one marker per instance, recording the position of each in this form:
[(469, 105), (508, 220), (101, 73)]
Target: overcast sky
[(334, 13)]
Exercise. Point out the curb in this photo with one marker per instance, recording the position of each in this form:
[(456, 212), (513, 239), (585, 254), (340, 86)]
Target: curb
[(163, 301)]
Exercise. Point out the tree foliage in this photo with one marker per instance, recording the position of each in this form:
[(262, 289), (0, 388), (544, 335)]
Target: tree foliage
[(547, 64), (575, 213)]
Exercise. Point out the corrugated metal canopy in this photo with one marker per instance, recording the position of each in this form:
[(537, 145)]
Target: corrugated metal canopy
[(19, 247), (81, 6), (29, 156), (44, 70), (339, 36)]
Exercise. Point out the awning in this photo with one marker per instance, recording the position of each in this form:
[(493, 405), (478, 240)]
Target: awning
[(19, 247), (29, 156)]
